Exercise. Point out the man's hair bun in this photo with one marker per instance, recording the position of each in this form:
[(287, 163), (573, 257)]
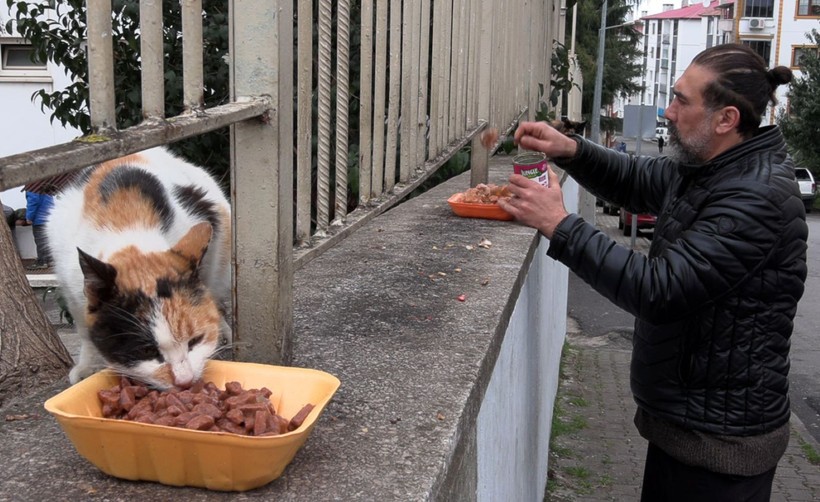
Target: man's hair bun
[(779, 76)]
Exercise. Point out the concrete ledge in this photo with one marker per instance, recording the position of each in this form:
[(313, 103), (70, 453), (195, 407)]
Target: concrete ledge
[(381, 312), (42, 280)]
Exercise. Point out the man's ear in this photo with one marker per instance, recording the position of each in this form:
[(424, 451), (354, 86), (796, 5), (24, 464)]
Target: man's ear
[(728, 120)]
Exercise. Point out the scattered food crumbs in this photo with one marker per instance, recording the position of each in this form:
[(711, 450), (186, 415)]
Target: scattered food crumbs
[(14, 418), (461, 298), (469, 247), (457, 270), (443, 274), (440, 416), (485, 282), (364, 430), (485, 243), (435, 247)]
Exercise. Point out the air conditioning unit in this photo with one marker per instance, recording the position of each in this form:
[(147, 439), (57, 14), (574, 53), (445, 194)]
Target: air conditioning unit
[(757, 23)]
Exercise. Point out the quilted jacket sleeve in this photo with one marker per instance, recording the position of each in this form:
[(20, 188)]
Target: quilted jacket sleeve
[(636, 183), (737, 226)]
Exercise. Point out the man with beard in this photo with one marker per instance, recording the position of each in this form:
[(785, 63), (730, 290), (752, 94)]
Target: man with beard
[(715, 297)]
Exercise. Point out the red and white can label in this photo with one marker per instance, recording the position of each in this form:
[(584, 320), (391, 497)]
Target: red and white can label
[(532, 165)]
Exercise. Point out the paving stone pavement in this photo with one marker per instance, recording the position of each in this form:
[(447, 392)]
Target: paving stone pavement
[(599, 455)]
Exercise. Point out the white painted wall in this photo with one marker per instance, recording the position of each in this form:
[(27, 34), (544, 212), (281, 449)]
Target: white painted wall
[(792, 32), (23, 127), (515, 419)]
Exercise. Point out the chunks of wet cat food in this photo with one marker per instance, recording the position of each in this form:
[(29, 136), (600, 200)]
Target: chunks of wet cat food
[(484, 194), (203, 407)]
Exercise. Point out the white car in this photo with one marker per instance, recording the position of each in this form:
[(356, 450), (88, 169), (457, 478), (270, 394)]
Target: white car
[(808, 188), (662, 132)]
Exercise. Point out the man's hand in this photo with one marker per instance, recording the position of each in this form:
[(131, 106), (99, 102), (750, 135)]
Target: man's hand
[(535, 205), (542, 137)]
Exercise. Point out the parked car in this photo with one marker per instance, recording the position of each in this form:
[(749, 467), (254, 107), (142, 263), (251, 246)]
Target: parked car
[(645, 221), (609, 208), (662, 132), (808, 188)]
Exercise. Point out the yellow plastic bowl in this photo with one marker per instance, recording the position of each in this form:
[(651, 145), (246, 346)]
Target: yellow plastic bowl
[(182, 457)]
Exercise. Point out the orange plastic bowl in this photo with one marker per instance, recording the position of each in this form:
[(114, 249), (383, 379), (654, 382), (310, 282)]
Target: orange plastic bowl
[(486, 211), (182, 457)]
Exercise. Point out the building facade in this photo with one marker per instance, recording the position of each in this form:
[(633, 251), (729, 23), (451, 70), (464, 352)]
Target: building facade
[(775, 30)]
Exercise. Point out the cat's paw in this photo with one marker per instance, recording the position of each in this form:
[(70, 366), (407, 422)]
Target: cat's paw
[(78, 373)]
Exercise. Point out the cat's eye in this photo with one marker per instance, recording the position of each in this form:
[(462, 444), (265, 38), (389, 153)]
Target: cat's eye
[(193, 342), (149, 352)]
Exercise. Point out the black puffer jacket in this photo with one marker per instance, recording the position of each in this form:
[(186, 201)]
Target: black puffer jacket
[(715, 298)]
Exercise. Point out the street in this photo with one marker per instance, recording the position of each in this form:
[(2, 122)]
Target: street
[(805, 351)]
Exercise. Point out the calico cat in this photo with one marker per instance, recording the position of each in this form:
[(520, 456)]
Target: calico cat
[(568, 126), (142, 250)]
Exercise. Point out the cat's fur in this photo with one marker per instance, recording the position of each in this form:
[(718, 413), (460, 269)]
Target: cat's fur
[(142, 251), (568, 126)]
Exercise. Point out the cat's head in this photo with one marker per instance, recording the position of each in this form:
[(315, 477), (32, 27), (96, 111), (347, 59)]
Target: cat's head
[(568, 126), (150, 315)]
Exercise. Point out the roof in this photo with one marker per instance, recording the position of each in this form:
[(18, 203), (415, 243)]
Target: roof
[(694, 11)]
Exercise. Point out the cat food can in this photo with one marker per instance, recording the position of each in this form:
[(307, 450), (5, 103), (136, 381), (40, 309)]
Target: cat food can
[(532, 165)]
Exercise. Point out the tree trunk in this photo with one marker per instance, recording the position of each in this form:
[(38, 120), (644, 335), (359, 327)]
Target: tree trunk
[(31, 353)]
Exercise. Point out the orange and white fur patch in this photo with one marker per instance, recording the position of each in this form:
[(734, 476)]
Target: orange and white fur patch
[(142, 251)]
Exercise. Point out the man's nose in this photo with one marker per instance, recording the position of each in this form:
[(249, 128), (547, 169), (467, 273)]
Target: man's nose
[(668, 112)]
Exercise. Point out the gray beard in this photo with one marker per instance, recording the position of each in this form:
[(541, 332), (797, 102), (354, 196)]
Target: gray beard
[(681, 153)]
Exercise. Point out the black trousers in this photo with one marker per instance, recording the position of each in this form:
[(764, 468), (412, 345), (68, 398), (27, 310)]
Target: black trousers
[(668, 480), (40, 242)]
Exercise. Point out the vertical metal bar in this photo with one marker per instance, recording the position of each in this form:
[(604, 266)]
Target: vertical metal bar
[(261, 44), (455, 79), (100, 66), (192, 72), (424, 81), (151, 58), (435, 80), (407, 64), (462, 69), (447, 71), (479, 159), (323, 150), (533, 33), (367, 108), (413, 117), (472, 75), (342, 96), (379, 98), (395, 95), (304, 99)]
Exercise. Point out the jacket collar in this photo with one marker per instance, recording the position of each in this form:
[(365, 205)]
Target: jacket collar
[(766, 138)]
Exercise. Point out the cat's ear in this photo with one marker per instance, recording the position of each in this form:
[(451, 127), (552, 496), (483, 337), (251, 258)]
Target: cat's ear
[(99, 279), (193, 245)]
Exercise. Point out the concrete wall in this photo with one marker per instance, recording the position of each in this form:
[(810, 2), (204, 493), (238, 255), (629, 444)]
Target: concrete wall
[(514, 422)]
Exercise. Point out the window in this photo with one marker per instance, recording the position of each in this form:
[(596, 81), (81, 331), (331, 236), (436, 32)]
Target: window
[(761, 8), (798, 52), (762, 47), (17, 62), (810, 8)]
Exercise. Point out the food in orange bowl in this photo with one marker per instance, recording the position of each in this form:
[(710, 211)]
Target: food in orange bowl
[(184, 457), (480, 201)]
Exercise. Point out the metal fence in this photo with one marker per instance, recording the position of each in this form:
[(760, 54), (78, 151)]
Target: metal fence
[(433, 74)]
